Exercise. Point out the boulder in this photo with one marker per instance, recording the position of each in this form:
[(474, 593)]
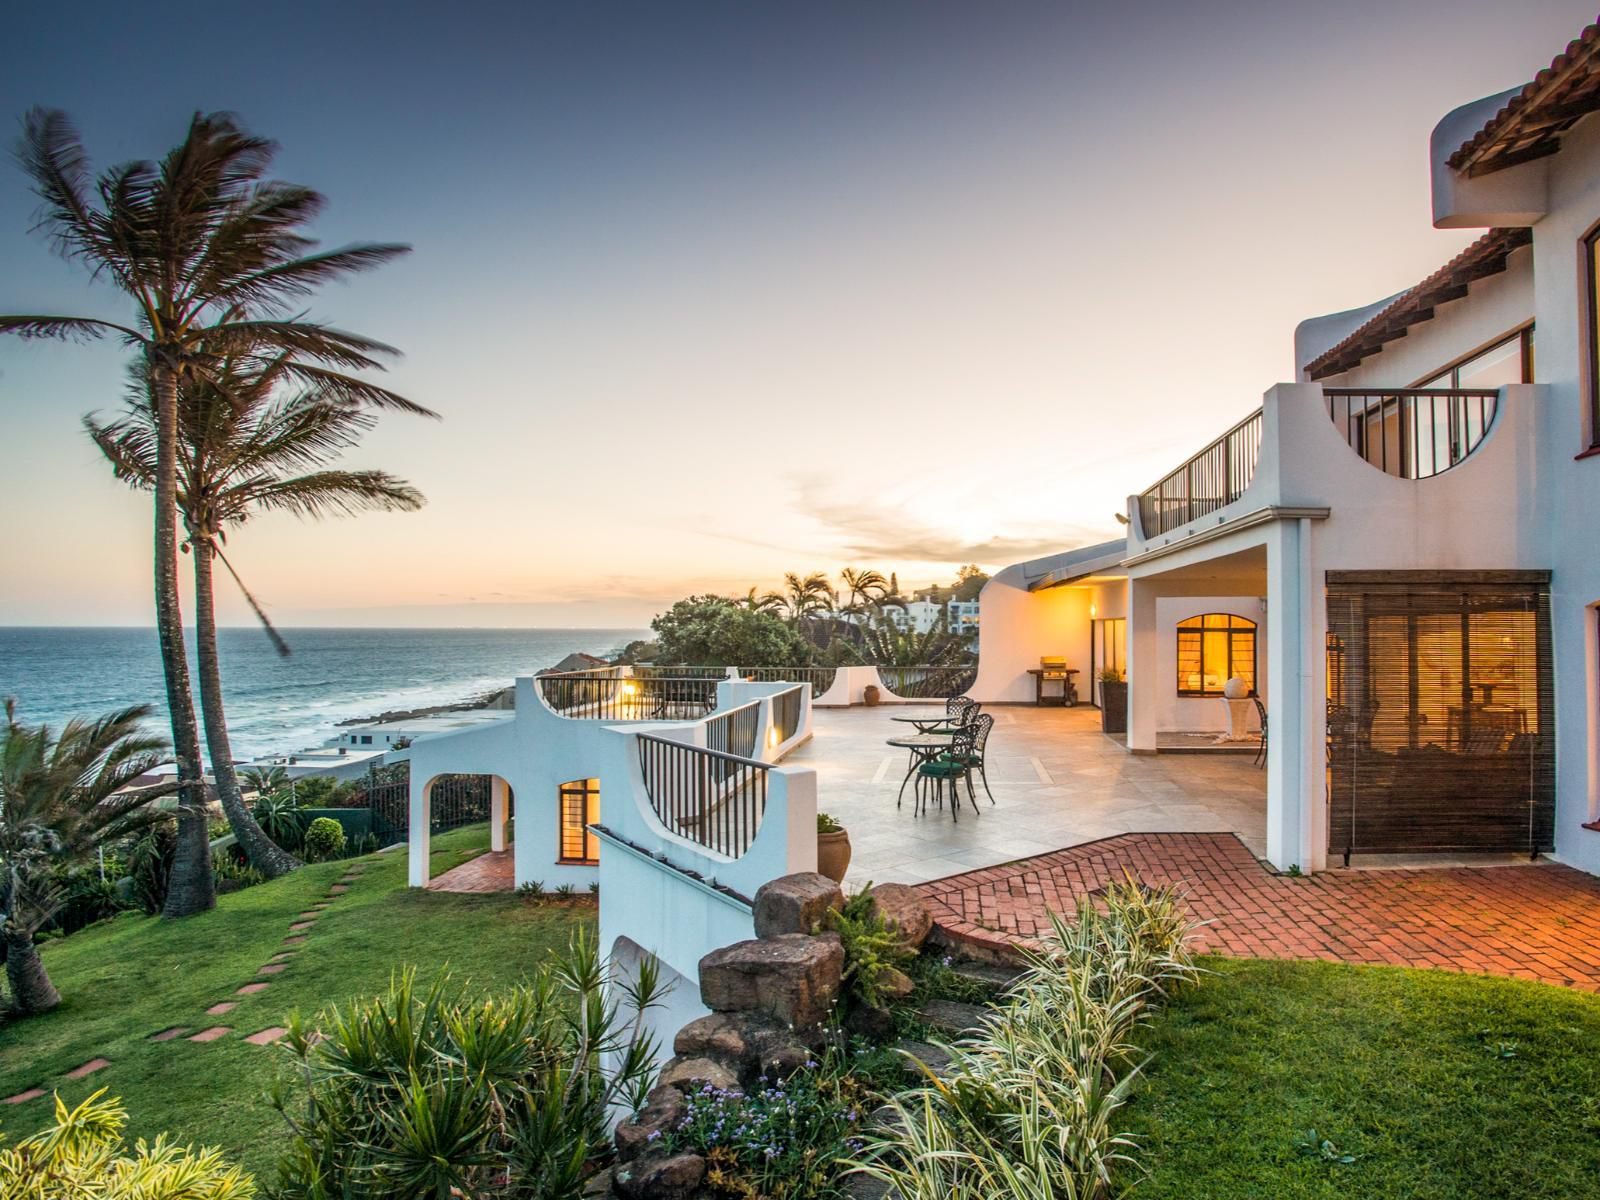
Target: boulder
[(735, 1039), (792, 977), (903, 909), (895, 984), (874, 1024), (691, 1074), (780, 1062), (674, 1177), (795, 904), (663, 1109)]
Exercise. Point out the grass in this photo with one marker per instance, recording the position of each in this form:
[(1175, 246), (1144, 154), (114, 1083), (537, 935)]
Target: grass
[(126, 979), (1440, 1085)]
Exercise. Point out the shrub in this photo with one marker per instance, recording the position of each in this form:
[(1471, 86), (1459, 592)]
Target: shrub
[(280, 819), (826, 824), (82, 1154), (1029, 1105), (232, 875), (150, 864), (441, 1092), (86, 897), (324, 839), (872, 948)]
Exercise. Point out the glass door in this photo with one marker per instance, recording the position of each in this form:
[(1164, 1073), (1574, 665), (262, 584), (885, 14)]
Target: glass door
[(1108, 647)]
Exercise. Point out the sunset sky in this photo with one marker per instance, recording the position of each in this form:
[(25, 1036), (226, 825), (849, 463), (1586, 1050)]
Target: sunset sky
[(706, 292)]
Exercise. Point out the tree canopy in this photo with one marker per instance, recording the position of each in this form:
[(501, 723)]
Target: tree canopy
[(716, 631)]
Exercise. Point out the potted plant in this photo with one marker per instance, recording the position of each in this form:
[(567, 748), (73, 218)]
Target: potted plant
[(833, 848), (1113, 701)]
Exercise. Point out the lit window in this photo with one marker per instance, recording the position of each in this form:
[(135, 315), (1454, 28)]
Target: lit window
[(580, 808), (1212, 649)]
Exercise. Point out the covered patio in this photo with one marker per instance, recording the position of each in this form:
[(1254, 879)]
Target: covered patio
[(1057, 782)]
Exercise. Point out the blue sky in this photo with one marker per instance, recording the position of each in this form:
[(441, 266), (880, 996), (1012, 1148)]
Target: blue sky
[(706, 292)]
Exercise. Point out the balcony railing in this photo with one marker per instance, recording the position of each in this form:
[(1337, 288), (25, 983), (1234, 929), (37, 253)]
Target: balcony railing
[(786, 714), (608, 694), (820, 678), (1413, 433), (1212, 479), (713, 799), (734, 732), (927, 683)]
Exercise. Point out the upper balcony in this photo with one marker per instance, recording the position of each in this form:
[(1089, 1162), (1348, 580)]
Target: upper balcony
[(1451, 452)]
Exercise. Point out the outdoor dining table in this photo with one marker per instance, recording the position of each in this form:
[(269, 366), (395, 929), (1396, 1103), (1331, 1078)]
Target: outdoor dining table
[(923, 747), (928, 724)]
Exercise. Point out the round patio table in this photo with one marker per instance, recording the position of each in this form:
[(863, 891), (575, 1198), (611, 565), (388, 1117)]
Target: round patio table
[(923, 747), (928, 724)]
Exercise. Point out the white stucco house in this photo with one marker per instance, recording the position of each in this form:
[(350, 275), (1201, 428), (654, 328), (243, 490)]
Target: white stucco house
[(1395, 549)]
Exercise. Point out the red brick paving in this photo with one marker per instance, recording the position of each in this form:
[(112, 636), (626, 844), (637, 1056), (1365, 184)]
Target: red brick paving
[(491, 872), (1533, 922)]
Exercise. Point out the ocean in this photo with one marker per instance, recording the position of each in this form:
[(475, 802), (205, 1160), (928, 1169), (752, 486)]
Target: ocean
[(281, 704)]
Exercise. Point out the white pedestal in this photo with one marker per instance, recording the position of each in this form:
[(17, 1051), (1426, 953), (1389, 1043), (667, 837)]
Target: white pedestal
[(1238, 719)]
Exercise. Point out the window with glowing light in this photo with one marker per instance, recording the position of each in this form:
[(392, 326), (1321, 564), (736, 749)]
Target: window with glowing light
[(1212, 649)]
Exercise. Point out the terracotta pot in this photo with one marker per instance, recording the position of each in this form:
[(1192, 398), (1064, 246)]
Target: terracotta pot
[(833, 854), (869, 694)]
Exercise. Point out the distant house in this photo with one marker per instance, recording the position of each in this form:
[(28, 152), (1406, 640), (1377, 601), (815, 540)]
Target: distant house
[(577, 661)]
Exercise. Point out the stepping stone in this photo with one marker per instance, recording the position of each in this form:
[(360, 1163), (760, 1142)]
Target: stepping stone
[(987, 975), (267, 1036), (250, 989), (935, 1059), (301, 925), (281, 956), (309, 916), (166, 1035), (952, 1016), (88, 1068), (32, 1093), (212, 1034), (338, 889), (272, 968), (294, 941), (216, 1010)]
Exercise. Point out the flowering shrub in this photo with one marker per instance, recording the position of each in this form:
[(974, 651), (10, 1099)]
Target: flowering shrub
[(783, 1140)]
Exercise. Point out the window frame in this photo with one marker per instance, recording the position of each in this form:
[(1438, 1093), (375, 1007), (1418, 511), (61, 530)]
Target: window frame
[(1590, 245), (1244, 632), (1522, 333), (589, 790)]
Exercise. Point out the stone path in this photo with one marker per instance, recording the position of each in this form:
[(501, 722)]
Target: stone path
[(491, 872), (303, 924), (1536, 921)]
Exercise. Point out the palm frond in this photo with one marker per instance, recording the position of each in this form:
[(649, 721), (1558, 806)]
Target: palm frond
[(74, 329), (337, 493), (333, 385), (273, 286), (276, 638)]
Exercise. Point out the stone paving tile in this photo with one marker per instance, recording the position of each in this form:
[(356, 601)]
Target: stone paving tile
[(216, 1010), (267, 1036), (301, 926), (491, 872), (1534, 921), (272, 968), (32, 1093), (88, 1068), (294, 941), (212, 1034), (177, 1031), (250, 989)]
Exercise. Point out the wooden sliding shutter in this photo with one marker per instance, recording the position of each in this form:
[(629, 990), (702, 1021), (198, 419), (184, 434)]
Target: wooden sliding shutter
[(1441, 712)]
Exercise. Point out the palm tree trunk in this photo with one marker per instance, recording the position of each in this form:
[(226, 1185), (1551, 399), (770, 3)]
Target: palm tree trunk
[(190, 888), (31, 989), (264, 854)]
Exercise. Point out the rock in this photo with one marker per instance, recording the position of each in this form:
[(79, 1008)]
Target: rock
[(895, 984), (920, 1055), (993, 977), (792, 977), (952, 1016), (874, 1024), (652, 1178), (598, 1186), (736, 1039), (903, 908), (663, 1108), (795, 904), (691, 1074), (780, 1062)]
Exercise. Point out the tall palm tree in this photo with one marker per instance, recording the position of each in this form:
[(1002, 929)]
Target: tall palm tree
[(767, 602), (862, 588), (212, 255), (245, 448), (61, 797), (807, 596)]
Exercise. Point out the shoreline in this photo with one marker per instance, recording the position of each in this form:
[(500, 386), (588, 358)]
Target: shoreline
[(499, 698)]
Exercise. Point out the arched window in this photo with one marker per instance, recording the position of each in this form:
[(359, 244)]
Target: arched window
[(1212, 649)]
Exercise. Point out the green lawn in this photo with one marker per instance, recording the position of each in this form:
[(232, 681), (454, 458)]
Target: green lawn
[(1403, 1069), (126, 979)]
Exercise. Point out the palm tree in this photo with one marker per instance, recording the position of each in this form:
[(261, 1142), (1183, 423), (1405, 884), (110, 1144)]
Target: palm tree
[(212, 255), (804, 597), (767, 602), (61, 797), (862, 588), (885, 644), (242, 448), (264, 781)]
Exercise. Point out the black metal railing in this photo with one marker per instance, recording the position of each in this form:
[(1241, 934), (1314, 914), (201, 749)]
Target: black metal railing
[(713, 799), (820, 678), (1413, 433), (453, 801), (1215, 477), (786, 714), (735, 731), (609, 695), (928, 683), (714, 674)]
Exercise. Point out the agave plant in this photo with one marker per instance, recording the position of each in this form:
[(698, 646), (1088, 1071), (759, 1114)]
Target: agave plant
[(280, 819)]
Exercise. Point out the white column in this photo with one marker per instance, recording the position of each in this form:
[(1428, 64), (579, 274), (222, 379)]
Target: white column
[(417, 832), (1287, 819), (1143, 684), (497, 813)]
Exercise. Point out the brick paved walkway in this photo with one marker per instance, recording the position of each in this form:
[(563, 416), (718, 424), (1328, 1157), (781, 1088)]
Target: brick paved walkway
[(491, 872), (1534, 922)]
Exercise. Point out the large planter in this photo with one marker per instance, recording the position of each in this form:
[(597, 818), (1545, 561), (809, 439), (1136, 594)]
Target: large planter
[(1114, 707), (833, 854)]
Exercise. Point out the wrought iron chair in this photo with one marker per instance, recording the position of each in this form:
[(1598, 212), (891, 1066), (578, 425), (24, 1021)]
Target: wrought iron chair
[(980, 725), (1261, 750), (949, 768)]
